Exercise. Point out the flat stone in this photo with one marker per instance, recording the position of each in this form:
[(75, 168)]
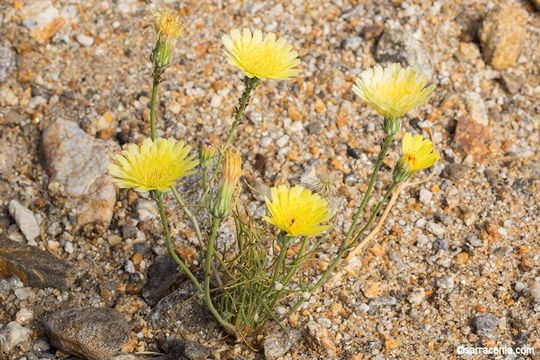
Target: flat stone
[(79, 163), (162, 275), (26, 221), (91, 333), (279, 342), (35, 267), (12, 335), (7, 60), (502, 35), (399, 45)]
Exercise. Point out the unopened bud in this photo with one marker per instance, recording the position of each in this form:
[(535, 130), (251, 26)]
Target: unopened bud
[(232, 170), (207, 153)]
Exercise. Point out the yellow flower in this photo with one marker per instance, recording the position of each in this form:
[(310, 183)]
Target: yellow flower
[(418, 152), (297, 211), (267, 58), (167, 25), (392, 91), (155, 165)]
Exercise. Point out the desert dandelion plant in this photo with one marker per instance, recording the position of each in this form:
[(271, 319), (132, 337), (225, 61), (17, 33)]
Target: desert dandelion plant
[(154, 165), (418, 153), (263, 58), (297, 211), (392, 91)]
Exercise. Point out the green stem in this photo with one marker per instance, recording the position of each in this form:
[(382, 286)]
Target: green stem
[(382, 153), (189, 214), (376, 211), (153, 100), (250, 85), (283, 242), (207, 269), (204, 179), (158, 197), (290, 273)]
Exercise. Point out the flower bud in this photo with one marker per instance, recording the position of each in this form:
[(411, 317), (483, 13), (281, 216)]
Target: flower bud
[(168, 28), (207, 152), (232, 170)]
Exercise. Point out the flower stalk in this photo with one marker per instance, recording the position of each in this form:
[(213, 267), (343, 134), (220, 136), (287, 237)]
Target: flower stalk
[(249, 85)]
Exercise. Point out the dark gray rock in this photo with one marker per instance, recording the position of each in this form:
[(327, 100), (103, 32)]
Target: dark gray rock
[(485, 325), (182, 311), (180, 349), (162, 275), (7, 60), (35, 267), (91, 333)]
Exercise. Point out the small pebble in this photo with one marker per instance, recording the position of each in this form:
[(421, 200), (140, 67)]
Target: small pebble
[(84, 40)]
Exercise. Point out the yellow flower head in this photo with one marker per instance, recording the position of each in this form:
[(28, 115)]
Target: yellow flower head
[(418, 152), (155, 165), (167, 25), (297, 211), (263, 58), (392, 91)]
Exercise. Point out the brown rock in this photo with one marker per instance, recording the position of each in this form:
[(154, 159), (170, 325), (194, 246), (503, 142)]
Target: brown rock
[(475, 139), (79, 163), (35, 267), (320, 106), (501, 36), (319, 338), (392, 343), (91, 333), (294, 114), (371, 290)]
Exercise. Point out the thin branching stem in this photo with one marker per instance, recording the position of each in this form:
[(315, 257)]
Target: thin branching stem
[(190, 215), (382, 153), (207, 269), (158, 198)]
